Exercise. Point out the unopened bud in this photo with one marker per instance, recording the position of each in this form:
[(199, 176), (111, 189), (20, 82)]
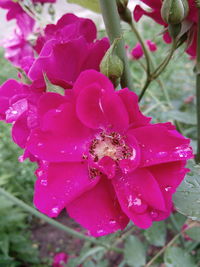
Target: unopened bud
[(51, 10), (111, 65), (174, 11), (124, 12), (174, 30)]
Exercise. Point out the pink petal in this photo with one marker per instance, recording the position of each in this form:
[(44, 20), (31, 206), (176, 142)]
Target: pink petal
[(97, 108), (168, 176), (107, 165), (98, 210), (60, 183), (136, 192), (88, 77), (49, 101), (89, 107), (159, 144), (130, 100), (57, 141), (20, 131), (63, 64), (115, 112)]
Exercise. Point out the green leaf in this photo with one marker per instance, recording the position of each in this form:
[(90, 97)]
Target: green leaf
[(194, 233), (134, 253), (187, 198), (177, 257), (185, 117), (89, 253), (89, 4), (156, 234)]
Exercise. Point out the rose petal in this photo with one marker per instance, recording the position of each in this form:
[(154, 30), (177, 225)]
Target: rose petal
[(60, 183), (57, 141), (159, 144), (98, 210), (130, 100), (168, 176), (137, 191)]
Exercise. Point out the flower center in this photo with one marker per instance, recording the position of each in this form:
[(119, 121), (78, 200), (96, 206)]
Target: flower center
[(111, 145)]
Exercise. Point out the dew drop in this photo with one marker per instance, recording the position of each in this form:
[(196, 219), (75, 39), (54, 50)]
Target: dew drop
[(153, 214), (112, 222), (100, 232), (14, 112), (40, 144), (44, 182), (168, 188), (55, 210)]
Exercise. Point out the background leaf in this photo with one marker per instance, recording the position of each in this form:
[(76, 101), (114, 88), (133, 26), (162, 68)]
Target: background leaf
[(187, 198), (194, 233), (156, 234), (135, 252), (89, 4), (177, 257)]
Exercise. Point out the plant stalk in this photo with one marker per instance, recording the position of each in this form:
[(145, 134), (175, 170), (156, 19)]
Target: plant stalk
[(54, 223), (198, 89), (112, 23), (168, 245)]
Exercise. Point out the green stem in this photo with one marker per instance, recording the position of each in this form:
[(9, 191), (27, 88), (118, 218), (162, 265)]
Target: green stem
[(112, 23), (165, 62), (54, 223), (198, 89), (158, 71), (168, 245), (146, 52)]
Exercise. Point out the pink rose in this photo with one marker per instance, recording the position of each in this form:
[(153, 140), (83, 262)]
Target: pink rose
[(66, 49), (101, 158)]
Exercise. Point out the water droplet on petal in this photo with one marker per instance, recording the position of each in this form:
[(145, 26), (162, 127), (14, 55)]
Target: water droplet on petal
[(55, 210), (136, 204), (44, 182), (112, 222), (153, 214), (168, 188), (100, 232), (40, 144), (14, 112)]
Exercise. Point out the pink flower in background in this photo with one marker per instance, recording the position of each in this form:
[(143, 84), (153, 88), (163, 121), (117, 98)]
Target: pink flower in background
[(96, 161), (155, 14), (151, 45), (24, 21), (68, 27), (137, 51), (60, 260), (44, 1), (67, 48), (18, 106), (18, 49)]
